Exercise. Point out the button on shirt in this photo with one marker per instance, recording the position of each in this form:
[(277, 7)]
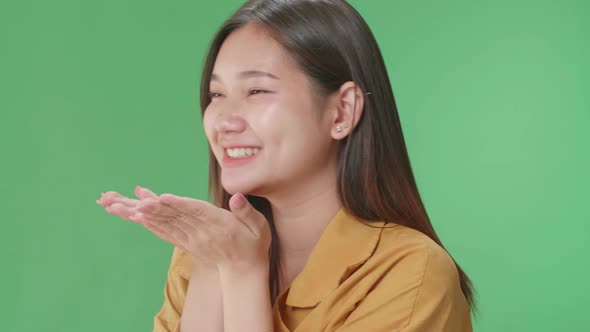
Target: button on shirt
[(361, 276)]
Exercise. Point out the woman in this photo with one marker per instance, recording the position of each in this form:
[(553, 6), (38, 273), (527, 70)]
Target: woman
[(317, 223)]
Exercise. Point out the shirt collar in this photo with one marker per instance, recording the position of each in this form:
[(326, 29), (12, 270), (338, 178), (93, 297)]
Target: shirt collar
[(346, 243)]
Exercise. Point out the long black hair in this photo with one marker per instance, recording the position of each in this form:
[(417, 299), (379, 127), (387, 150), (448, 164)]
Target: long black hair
[(332, 44)]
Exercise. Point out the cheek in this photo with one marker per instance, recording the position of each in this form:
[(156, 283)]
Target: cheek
[(208, 125), (292, 133), (209, 128), (279, 114)]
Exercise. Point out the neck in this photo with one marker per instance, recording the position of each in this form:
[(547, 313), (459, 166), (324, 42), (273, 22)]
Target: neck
[(301, 219), (301, 211), (299, 226)]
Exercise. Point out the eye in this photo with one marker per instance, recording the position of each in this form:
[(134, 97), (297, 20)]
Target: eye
[(213, 94), (257, 91)]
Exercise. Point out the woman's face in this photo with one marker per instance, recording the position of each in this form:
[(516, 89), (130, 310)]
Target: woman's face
[(268, 131)]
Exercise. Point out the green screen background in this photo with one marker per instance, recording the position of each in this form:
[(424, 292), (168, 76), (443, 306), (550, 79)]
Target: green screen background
[(103, 95)]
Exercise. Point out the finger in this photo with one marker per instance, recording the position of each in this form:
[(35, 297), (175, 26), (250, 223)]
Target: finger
[(172, 230), (155, 208), (251, 217), (108, 198), (143, 193), (198, 209), (122, 211), (146, 217), (174, 217), (130, 202)]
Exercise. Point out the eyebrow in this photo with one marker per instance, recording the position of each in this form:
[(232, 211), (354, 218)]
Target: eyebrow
[(247, 74)]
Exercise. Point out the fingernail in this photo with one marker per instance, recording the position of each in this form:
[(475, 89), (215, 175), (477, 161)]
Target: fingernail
[(240, 201)]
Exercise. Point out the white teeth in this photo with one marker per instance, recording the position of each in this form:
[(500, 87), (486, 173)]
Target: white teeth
[(241, 152)]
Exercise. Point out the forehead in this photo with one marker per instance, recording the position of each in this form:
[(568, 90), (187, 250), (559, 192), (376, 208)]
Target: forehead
[(251, 48)]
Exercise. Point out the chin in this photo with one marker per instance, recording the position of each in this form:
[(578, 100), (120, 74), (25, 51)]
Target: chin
[(241, 184)]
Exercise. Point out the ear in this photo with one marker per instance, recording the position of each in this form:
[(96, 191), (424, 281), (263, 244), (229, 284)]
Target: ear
[(348, 106)]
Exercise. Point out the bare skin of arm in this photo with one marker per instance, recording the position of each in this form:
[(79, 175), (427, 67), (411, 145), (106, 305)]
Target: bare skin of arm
[(246, 300), (203, 307)]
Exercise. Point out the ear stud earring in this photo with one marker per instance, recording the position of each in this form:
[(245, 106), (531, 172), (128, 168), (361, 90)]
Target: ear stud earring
[(339, 129)]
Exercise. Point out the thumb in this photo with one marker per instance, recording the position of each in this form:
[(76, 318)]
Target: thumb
[(143, 193), (241, 208)]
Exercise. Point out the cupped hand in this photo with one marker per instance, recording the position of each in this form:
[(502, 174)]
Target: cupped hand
[(238, 239), (126, 208)]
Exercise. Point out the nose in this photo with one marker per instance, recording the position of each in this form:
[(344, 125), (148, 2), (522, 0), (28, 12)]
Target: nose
[(230, 123)]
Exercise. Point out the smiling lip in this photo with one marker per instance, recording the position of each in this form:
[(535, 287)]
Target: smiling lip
[(235, 162), (239, 146)]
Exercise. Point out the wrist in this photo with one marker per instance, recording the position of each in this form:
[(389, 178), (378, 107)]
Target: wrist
[(250, 271), (246, 298), (201, 266)]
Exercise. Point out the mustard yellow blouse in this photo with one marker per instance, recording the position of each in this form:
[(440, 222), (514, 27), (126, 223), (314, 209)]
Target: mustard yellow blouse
[(358, 278)]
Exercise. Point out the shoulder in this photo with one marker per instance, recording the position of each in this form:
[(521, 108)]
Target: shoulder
[(412, 285), (416, 255)]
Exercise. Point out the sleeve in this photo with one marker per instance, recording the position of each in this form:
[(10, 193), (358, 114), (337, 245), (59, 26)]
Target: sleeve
[(168, 317), (420, 292)]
